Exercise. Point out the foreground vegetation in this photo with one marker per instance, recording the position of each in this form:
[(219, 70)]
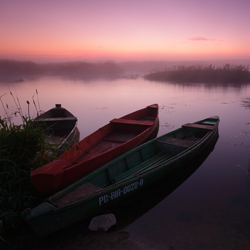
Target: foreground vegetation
[(22, 148), (203, 74)]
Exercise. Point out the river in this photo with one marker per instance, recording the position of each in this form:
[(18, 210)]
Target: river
[(211, 209)]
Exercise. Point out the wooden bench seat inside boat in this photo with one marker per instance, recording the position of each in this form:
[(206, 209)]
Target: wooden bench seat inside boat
[(200, 126), (83, 190), (176, 142), (134, 122), (56, 119)]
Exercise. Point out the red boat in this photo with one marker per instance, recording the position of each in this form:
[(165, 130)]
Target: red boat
[(110, 141)]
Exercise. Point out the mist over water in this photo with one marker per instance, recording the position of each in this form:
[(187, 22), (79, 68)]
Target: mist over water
[(18, 71)]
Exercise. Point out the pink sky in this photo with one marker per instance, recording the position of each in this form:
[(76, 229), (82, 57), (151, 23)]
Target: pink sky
[(118, 29)]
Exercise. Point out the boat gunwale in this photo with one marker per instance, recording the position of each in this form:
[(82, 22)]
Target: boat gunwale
[(73, 131)]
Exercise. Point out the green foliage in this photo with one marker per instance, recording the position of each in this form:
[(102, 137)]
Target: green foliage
[(203, 74), (22, 148)]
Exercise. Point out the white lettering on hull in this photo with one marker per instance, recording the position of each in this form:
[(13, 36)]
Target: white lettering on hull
[(121, 191)]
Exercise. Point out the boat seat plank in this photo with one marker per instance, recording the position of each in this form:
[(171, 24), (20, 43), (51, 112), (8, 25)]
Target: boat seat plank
[(177, 142), (200, 126), (83, 190), (133, 122), (56, 119), (114, 140), (209, 122)]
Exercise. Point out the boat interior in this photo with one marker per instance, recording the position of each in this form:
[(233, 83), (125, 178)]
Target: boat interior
[(121, 131)]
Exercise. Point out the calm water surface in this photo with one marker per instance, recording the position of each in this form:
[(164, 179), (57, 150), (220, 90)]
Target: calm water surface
[(211, 209)]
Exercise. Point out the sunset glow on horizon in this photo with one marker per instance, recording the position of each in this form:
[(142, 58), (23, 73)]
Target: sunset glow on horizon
[(124, 30)]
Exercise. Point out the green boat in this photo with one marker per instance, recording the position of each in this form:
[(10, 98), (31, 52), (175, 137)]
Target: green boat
[(125, 176)]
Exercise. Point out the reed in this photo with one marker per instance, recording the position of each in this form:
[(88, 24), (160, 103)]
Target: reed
[(246, 102), (22, 148), (235, 74)]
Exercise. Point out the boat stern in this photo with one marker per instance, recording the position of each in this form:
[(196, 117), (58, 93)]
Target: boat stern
[(40, 219)]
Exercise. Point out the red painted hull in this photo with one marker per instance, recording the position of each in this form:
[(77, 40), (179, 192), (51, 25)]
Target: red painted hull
[(102, 146)]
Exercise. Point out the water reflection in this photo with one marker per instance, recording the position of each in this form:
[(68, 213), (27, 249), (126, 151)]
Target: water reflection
[(248, 175)]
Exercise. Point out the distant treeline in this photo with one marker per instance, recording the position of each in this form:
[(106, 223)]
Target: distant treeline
[(203, 74), (18, 71), (11, 70)]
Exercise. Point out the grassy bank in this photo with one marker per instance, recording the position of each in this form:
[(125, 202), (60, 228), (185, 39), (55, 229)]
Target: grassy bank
[(22, 148), (203, 74)]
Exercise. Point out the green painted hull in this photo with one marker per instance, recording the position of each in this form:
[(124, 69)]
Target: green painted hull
[(123, 177)]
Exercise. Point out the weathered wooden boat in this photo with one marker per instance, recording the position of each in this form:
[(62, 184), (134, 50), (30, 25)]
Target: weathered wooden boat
[(123, 177), (60, 126), (112, 140)]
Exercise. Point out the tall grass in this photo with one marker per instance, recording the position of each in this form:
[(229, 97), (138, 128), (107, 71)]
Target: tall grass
[(22, 148), (246, 102)]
